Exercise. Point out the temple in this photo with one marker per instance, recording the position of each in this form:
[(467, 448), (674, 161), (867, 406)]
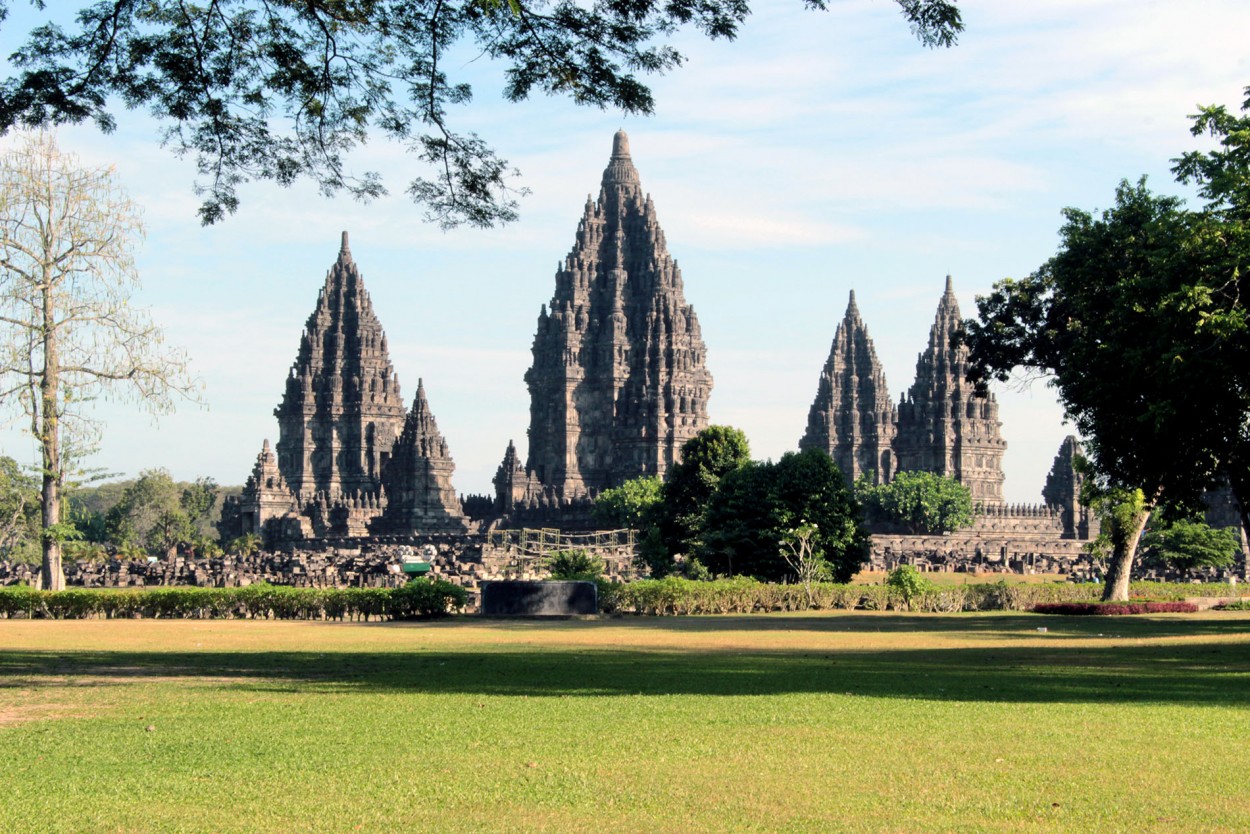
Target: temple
[(618, 381), (351, 460), (853, 417), (944, 426), (940, 425)]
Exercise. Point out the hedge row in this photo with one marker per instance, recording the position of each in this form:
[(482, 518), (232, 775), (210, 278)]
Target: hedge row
[(427, 598), (418, 599), (1086, 608), (672, 595)]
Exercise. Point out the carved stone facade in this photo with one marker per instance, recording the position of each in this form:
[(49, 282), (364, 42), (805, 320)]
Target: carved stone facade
[(618, 382), (943, 425), (853, 417)]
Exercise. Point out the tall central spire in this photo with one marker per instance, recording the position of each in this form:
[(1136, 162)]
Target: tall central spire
[(618, 382)]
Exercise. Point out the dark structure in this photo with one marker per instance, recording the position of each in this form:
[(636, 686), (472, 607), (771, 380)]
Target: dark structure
[(940, 425), (618, 382), (853, 416)]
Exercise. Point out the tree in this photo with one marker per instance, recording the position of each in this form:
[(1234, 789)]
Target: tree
[(149, 515), (802, 554), (1186, 544), (68, 330), (757, 508), (1134, 320), (909, 583), (19, 512), (921, 502), (279, 90), (629, 504), (197, 501), (1223, 179), (678, 518)]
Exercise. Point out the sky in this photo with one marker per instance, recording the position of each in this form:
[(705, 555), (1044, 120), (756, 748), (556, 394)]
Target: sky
[(818, 153)]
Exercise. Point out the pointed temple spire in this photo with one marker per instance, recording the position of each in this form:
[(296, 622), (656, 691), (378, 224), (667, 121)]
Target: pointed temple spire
[(618, 381), (417, 480), (943, 425), (342, 409), (852, 417)]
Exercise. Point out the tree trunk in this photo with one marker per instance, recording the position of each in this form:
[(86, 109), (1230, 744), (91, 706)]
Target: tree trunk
[(49, 433), (1124, 549)]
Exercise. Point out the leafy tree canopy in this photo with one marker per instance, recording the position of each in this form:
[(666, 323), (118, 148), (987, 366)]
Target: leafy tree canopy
[(757, 508), (705, 459), (1187, 544), (1140, 321), (19, 512), (920, 502), (156, 514), (629, 504), (280, 90)]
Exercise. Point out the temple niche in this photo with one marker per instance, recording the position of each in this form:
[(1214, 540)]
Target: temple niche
[(853, 417), (618, 381)]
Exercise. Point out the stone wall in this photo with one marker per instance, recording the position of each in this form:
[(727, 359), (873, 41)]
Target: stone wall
[(375, 562), (970, 552)]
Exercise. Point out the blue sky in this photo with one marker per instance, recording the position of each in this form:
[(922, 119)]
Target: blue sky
[(819, 153)]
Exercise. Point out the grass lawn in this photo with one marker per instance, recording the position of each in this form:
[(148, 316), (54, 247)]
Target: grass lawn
[(841, 722)]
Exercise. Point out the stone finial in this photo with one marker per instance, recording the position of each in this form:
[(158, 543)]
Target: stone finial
[(345, 251), (621, 170), (852, 309), (950, 285)]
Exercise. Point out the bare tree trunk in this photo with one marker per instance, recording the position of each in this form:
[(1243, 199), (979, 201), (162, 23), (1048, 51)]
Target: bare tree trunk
[(53, 575), (1124, 549)]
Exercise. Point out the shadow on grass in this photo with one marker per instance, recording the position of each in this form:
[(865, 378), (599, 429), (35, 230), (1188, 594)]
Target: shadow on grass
[(1168, 673), (981, 624)]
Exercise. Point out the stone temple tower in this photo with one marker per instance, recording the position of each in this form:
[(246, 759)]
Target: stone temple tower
[(417, 480), (618, 382), (342, 410), (943, 426), (852, 417)]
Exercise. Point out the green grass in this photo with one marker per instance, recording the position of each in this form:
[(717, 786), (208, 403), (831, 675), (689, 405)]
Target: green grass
[(834, 722)]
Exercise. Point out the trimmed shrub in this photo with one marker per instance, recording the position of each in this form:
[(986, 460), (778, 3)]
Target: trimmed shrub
[(420, 598), (425, 598), (1104, 608)]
